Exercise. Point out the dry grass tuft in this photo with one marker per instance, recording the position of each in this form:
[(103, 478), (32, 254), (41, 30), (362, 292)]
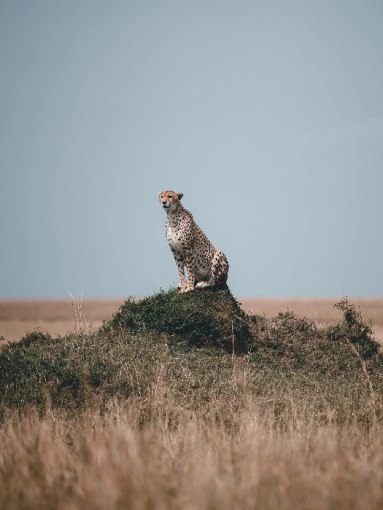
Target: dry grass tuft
[(81, 325)]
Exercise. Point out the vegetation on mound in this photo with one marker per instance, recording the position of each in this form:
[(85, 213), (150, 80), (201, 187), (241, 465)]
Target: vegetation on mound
[(204, 318), (178, 348)]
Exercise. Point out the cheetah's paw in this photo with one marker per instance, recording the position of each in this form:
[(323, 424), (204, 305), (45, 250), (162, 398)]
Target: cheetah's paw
[(202, 285)]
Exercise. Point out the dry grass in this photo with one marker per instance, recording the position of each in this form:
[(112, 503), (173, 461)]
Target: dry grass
[(55, 316), (112, 462)]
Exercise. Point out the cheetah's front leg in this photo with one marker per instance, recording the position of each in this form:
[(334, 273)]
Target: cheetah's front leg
[(180, 266), (190, 270)]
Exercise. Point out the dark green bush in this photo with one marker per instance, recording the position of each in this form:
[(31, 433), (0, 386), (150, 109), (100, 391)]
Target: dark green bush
[(355, 329), (204, 318)]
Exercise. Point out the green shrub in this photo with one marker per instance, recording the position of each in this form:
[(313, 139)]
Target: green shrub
[(355, 329), (204, 318)]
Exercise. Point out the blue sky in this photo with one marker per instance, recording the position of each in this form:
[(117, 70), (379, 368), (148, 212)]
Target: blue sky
[(267, 115)]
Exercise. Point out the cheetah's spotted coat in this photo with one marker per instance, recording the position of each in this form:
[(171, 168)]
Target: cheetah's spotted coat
[(205, 266)]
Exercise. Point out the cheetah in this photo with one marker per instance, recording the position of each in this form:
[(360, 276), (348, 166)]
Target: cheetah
[(205, 266)]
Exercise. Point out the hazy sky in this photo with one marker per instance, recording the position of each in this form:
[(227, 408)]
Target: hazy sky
[(267, 115)]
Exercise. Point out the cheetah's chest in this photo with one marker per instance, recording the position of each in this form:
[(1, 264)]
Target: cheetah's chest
[(176, 236)]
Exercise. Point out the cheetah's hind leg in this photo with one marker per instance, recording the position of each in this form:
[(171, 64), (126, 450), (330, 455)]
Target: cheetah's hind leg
[(219, 271)]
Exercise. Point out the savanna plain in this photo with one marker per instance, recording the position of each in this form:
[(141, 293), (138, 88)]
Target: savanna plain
[(186, 402)]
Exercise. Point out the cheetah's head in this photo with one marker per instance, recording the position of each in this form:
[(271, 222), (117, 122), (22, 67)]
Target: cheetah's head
[(170, 200)]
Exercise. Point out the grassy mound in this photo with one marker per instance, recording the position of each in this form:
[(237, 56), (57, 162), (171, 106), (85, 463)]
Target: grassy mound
[(204, 318), (178, 348)]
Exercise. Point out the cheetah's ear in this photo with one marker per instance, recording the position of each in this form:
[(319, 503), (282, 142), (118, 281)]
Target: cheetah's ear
[(179, 195)]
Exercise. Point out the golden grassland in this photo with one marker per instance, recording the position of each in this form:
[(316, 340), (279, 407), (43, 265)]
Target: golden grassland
[(111, 461), (58, 317)]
